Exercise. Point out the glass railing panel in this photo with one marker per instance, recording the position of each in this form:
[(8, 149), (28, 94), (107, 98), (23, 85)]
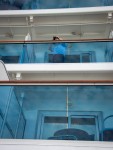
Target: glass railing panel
[(5, 93), (16, 53), (90, 120), (108, 3), (21, 127), (10, 113), (65, 52), (11, 53), (7, 133), (13, 114), (86, 3), (62, 112), (1, 121), (54, 4)]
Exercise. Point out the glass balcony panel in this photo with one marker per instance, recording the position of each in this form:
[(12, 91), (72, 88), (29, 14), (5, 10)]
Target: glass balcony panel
[(58, 52), (108, 2), (21, 128), (86, 3), (6, 133), (4, 98), (54, 4), (86, 57), (61, 112), (1, 121), (13, 53), (67, 112), (10, 119), (13, 114)]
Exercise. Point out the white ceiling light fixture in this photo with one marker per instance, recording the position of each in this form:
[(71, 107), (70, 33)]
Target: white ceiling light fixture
[(31, 19), (18, 76), (109, 15)]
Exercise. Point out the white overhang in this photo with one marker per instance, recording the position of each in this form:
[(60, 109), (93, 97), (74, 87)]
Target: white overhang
[(60, 67), (69, 23), (65, 11), (61, 72)]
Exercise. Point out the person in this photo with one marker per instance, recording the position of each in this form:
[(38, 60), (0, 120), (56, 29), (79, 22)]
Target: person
[(57, 50)]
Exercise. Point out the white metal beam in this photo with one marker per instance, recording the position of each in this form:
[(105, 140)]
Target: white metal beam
[(54, 144), (60, 67), (64, 11)]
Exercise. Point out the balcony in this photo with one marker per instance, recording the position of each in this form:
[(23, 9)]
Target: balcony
[(56, 112), (55, 52), (70, 24), (83, 59)]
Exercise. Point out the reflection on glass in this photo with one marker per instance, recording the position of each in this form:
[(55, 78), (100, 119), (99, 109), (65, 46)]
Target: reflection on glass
[(55, 112), (7, 133), (83, 52), (10, 114), (48, 4), (13, 113), (4, 94), (21, 127), (1, 120), (88, 125), (86, 57)]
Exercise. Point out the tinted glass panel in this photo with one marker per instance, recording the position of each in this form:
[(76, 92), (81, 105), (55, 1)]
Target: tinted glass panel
[(48, 4), (59, 112), (60, 52), (1, 120), (13, 113), (10, 59), (21, 128), (86, 58), (7, 133), (4, 94)]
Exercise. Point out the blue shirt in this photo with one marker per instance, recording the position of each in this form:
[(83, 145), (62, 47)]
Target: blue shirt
[(59, 48)]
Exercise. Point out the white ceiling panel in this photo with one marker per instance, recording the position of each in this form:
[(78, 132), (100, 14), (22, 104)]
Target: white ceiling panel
[(20, 30), (69, 25), (4, 31)]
